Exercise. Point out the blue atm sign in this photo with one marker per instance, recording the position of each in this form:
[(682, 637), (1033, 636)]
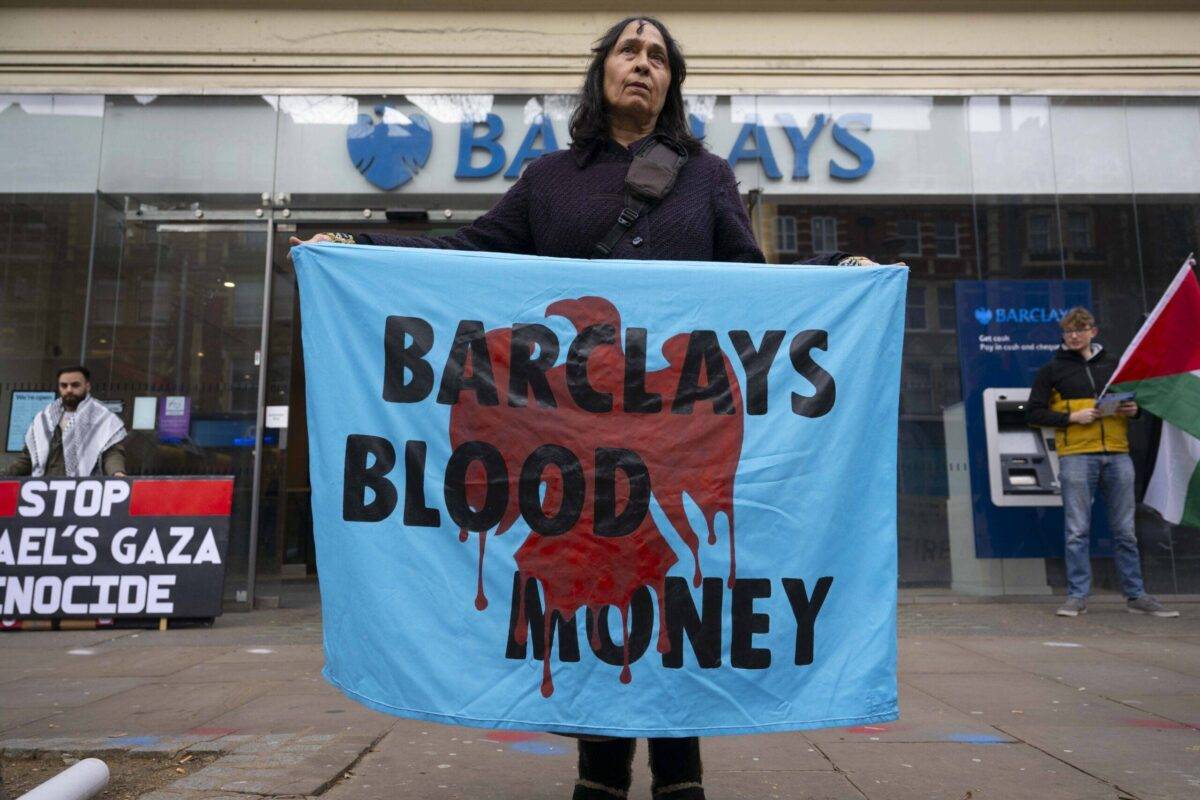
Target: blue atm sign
[(389, 154)]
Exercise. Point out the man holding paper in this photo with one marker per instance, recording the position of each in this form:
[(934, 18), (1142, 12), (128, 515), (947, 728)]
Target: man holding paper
[(1093, 449)]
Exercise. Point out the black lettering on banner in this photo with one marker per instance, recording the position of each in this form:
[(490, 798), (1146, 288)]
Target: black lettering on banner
[(800, 351), (637, 399), (703, 630), (526, 372), (416, 513), (530, 484), (568, 634), (703, 350), (757, 363), (607, 521), (641, 625), (742, 652), (358, 477), (496, 499), (469, 338), (805, 610), (399, 358), (578, 384)]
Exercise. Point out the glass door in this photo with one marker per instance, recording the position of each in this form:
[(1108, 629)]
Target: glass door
[(174, 336)]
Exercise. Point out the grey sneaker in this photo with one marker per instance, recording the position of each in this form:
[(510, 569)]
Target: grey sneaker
[(1148, 605), (1073, 607)]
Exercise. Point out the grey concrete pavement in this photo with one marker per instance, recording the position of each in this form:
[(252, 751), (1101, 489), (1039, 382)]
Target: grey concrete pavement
[(998, 700)]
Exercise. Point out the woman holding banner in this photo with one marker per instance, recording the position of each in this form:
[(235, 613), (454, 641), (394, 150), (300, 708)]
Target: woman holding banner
[(634, 184)]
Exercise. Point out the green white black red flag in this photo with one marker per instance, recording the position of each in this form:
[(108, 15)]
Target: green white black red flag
[(1162, 366)]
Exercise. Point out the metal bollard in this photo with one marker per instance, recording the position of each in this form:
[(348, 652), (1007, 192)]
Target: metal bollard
[(78, 782)]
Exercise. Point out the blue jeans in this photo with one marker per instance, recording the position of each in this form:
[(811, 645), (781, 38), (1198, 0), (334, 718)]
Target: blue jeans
[(1079, 475)]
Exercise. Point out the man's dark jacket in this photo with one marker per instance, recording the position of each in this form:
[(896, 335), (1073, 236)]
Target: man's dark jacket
[(1067, 384)]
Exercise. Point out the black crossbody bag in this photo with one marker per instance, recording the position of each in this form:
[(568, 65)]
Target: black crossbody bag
[(650, 178)]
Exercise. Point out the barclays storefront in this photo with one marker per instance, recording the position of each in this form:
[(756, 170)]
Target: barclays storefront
[(147, 236)]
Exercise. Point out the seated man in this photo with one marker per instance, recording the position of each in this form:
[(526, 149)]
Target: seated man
[(74, 436)]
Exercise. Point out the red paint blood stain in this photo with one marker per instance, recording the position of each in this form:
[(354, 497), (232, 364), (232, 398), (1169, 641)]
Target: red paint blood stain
[(696, 453), (1160, 724), (869, 729), (511, 736)]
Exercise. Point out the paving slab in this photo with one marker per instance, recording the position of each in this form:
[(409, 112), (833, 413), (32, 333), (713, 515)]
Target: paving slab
[(1145, 761), (1178, 654), (425, 760), (150, 709), (999, 698), (751, 785), (923, 718), (57, 693), (1180, 708), (16, 717), (903, 771), (289, 712), (772, 752), (942, 655)]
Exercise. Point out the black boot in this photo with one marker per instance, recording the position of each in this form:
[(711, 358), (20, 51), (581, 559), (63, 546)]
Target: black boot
[(676, 769), (605, 769)]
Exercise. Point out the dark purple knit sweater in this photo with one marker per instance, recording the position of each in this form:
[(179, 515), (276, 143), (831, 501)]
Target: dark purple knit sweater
[(566, 201)]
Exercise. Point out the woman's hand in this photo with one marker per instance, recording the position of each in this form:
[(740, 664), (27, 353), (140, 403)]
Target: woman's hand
[(316, 239)]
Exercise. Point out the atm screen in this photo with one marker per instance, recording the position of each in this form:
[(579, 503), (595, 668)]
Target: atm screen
[(1019, 440)]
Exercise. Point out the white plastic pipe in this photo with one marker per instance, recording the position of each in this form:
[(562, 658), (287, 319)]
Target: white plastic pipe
[(78, 782)]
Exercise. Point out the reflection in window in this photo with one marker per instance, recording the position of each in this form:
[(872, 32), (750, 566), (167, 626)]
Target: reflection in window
[(915, 317), (1039, 229), (824, 234), (785, 234), (908, 237), (1079, 230), (916, 388), (945, 237), (947, 310)]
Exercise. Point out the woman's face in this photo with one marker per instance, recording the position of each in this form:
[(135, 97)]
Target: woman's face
[(637, 74)]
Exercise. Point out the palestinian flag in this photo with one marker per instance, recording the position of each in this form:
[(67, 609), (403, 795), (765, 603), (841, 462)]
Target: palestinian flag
[(1162, 365)]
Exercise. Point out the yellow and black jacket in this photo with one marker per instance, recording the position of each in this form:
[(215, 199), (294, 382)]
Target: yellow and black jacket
[(1069, 383)]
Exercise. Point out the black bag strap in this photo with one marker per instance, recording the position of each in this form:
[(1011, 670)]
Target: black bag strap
[(650, 178)]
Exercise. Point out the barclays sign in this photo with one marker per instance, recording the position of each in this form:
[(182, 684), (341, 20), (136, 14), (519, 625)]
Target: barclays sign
[(1029, 316), (389, 147)]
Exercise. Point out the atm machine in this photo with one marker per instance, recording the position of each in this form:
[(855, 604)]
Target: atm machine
[(1022, 472), (1022, 462)]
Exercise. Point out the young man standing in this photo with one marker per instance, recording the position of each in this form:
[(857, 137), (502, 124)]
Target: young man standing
[(1092, 450)]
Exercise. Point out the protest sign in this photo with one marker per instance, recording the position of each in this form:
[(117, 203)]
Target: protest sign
[(622, 498)]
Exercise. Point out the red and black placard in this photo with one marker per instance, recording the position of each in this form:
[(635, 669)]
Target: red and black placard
[(113, 547)]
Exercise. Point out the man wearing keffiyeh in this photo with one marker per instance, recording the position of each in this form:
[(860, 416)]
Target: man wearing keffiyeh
[(74, 436)]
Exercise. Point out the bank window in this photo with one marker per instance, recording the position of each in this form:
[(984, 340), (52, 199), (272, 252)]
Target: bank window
[(1039, 239), (916, 388), (947, 308), (951, 388), (908, 235), (915, 316), (153, 301), (785, 234), (824, 234), (1079, 230), (945, 237)]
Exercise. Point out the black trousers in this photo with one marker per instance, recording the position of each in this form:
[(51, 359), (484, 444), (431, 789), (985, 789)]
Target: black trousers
[(606, 769)]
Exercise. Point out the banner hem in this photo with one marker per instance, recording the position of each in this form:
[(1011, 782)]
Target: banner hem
[(890, 715)]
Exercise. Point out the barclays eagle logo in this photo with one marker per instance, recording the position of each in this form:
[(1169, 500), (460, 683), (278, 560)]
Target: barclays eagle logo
[(387, 153), (983, 315)]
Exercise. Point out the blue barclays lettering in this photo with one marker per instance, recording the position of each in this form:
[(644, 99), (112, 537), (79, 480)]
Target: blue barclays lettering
[(1028, 315), (753, 145), (529, 148), (853, 145), (489, 143), (801, 142)]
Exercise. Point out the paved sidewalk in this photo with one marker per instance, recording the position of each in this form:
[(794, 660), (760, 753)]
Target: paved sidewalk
[(998, 700)]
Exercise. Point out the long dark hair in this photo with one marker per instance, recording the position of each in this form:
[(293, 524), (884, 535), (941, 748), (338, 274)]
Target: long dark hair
[(590, 121)]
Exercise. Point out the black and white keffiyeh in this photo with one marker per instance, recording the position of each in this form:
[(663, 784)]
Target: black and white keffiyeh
[(94, 431)]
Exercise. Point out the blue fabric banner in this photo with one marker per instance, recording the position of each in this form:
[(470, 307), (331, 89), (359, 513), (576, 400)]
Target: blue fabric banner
[(604, 497)]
